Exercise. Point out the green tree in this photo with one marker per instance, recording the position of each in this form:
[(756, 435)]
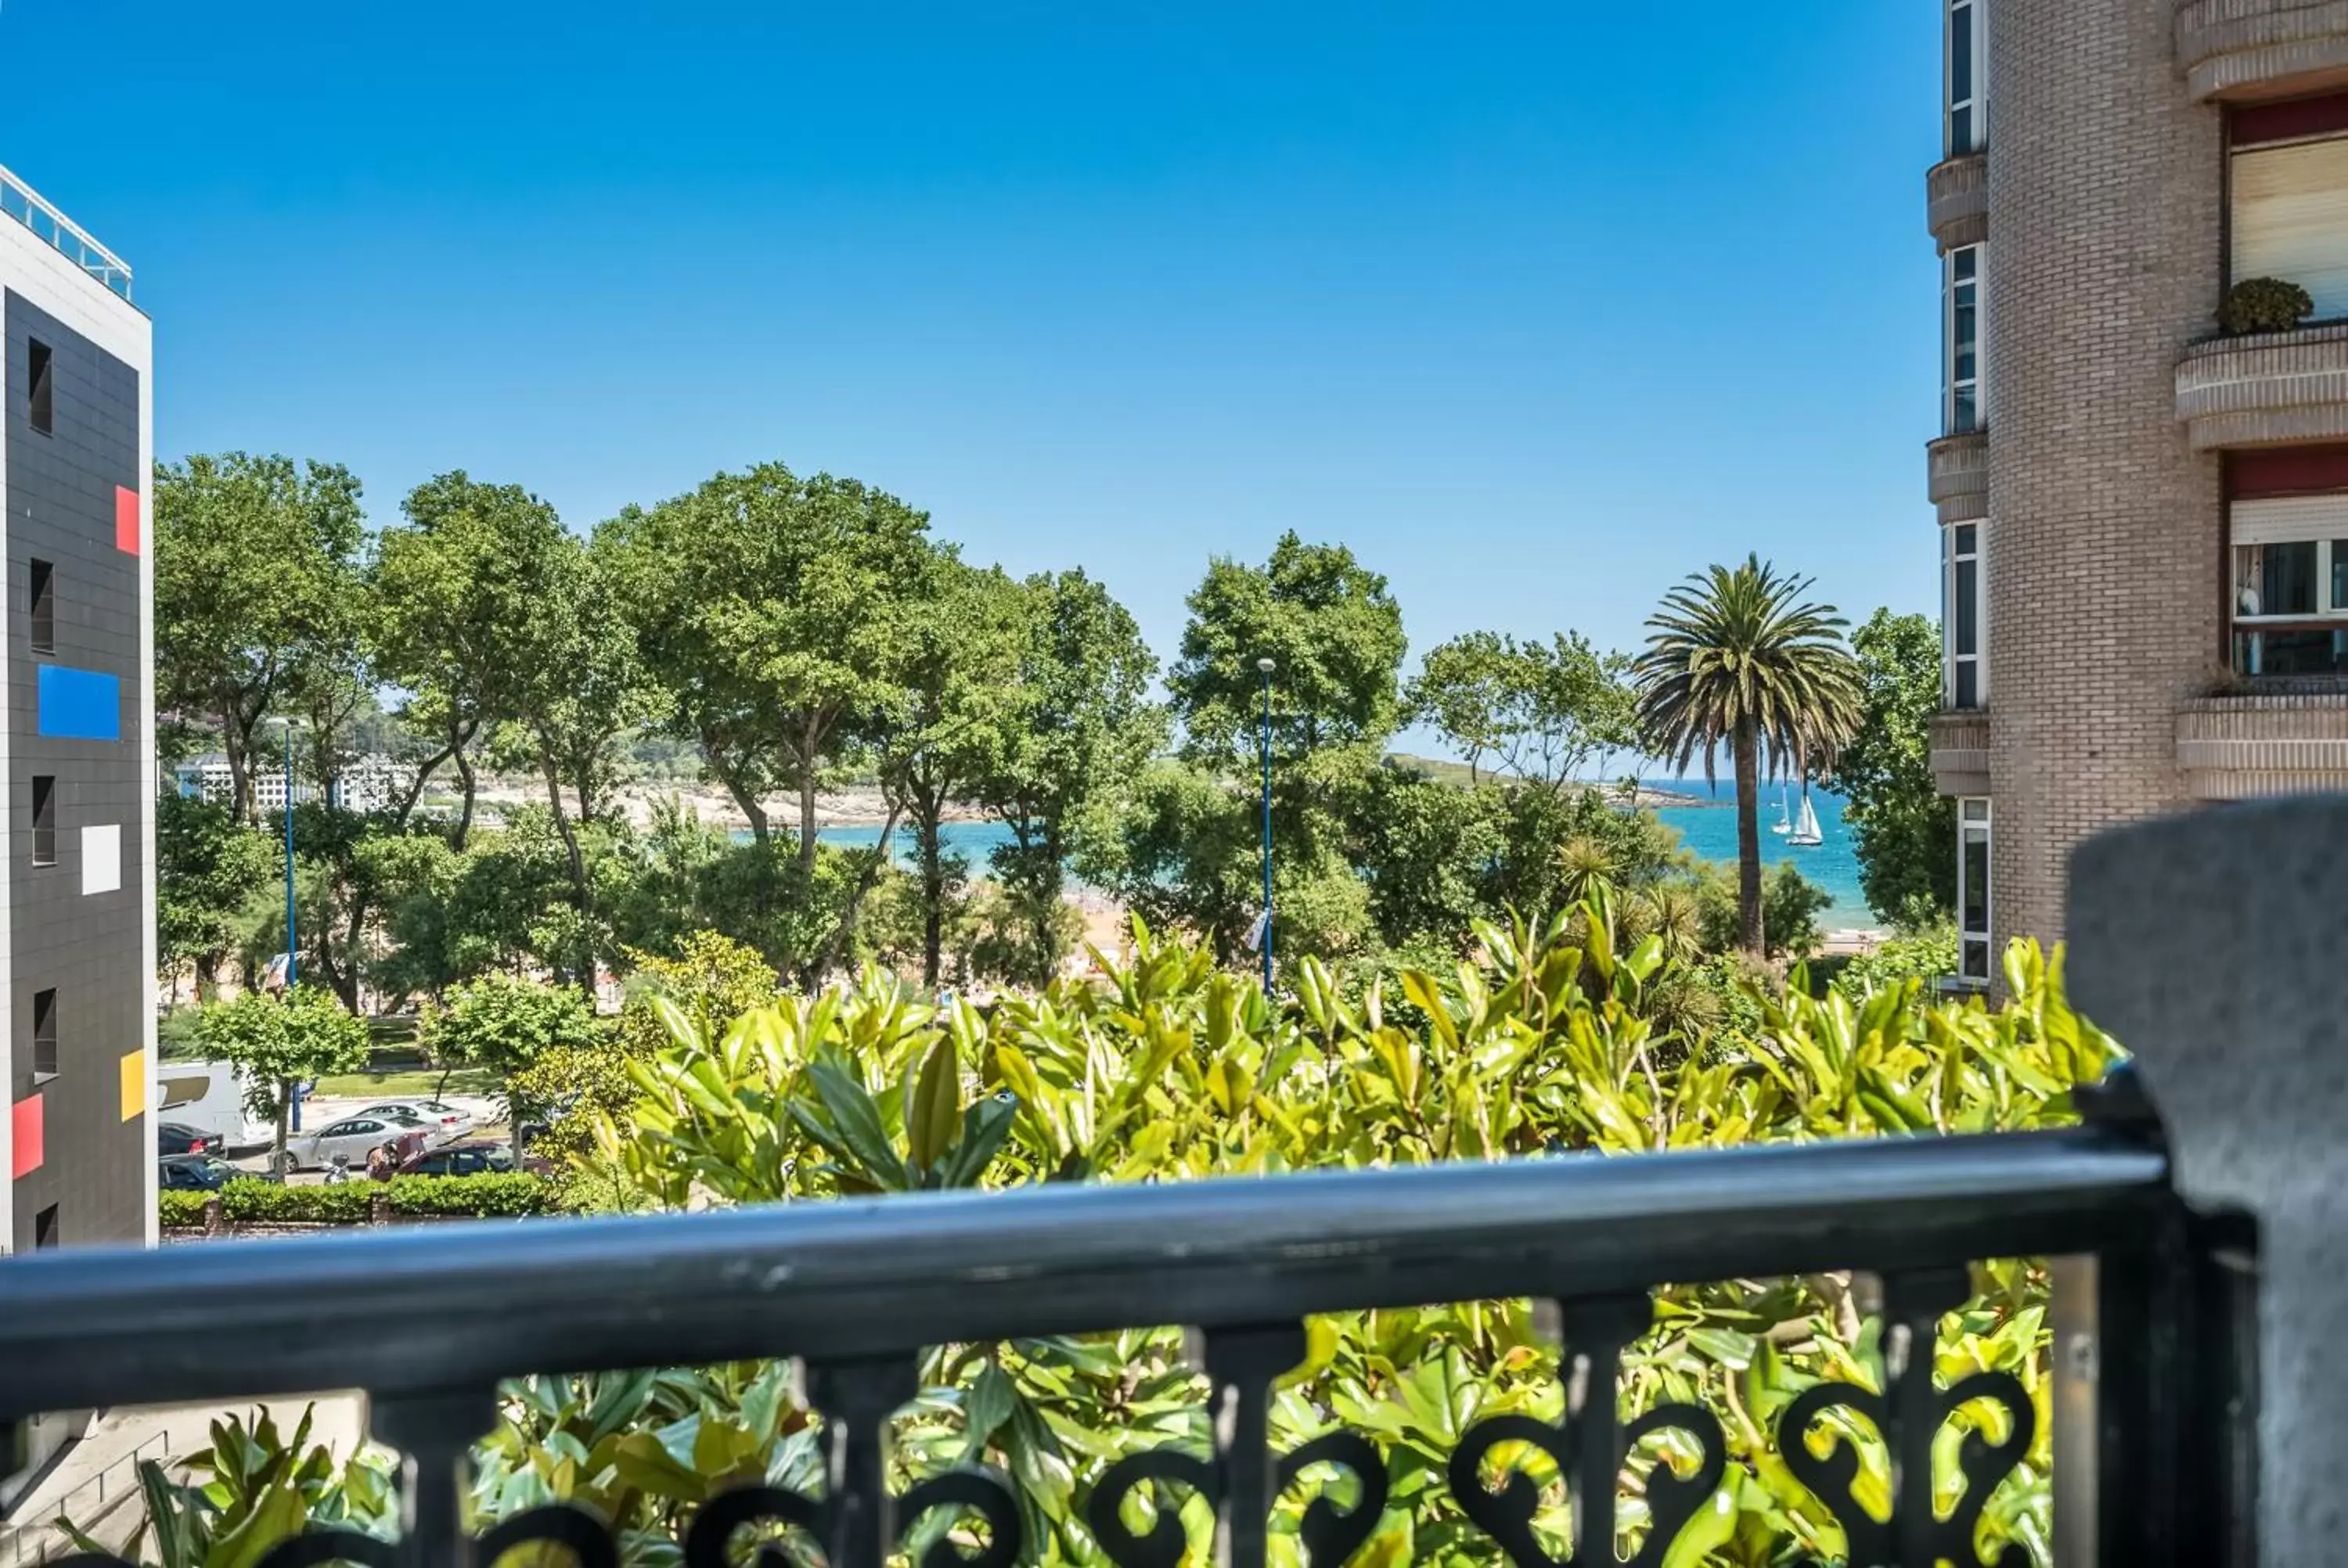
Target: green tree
[(503, 1025), (256, 562), (768, 609), (1904, 829), (1188, 845), (581, 687), (1790, 906), (1083, 729), (278, 1041), (207, 868), (961, 660), (455, 591), (1335, 635), (1735, 659), (1541, 712)]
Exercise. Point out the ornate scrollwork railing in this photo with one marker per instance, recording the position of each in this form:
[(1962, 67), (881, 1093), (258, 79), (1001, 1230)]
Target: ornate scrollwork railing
[(857, 1290)]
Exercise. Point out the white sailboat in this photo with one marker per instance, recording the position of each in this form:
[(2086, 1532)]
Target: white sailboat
[(1784, 823), (1807, 834)]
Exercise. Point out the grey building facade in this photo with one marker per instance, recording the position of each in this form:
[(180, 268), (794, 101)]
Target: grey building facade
[(77, 748)]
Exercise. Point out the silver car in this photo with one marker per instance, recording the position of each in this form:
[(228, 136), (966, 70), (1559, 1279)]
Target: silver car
[(354, 1138), (452, 1120)]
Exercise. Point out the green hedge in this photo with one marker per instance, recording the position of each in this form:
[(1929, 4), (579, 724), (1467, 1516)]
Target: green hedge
[(490, 1195)]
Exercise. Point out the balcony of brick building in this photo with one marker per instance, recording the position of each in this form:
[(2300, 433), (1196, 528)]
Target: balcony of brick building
[(1956, 201), (2250, 50), (1959, 748), (2265, 388), (1957, 476), (2246, 745)]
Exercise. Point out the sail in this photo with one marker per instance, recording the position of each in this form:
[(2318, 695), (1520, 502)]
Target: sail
[(1807, 830)]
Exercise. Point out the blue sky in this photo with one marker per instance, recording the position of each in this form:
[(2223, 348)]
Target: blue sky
[(1537, 306)]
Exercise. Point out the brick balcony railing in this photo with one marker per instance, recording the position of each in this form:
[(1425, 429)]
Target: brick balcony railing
[(1959, 752), (2265, 387), (2263, 744), (1958, 477), (2264, 49), (1956, 201)]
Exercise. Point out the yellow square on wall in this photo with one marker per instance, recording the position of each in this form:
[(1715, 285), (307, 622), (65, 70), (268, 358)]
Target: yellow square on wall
[(134, 1084)]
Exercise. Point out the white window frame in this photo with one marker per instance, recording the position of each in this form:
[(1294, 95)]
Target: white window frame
[(2325, 556), (1976, 950), (1979, 658), (2323, 529), (1951, 382), (1976, 26)]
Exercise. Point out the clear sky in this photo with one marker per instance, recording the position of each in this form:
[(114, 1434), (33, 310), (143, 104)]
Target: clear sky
[(1537, 306)]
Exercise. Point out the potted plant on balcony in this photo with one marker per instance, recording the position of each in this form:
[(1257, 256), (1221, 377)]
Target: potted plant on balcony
[(2264, 305)]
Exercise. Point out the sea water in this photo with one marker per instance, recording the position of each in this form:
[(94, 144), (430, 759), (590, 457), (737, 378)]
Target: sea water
[(1708, 830)]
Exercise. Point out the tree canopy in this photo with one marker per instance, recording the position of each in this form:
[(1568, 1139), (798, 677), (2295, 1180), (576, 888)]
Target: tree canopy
[(256, 565), (1905, 829)]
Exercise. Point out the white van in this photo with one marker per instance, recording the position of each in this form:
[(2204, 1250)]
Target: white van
[(210, 1097)]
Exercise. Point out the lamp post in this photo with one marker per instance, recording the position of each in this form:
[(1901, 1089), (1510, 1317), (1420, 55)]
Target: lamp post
[(293, 1106), (288, 723), (1264, 731)]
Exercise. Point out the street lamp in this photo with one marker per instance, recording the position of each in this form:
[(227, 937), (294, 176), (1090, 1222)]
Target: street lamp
[(1265, 667)]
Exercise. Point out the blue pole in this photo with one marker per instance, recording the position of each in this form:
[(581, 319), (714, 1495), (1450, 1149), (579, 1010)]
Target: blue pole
[(1265, 665), (295, 1099), (289, 857)]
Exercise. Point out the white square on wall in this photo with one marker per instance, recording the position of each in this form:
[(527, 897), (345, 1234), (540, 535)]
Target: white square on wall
[(101, 858)]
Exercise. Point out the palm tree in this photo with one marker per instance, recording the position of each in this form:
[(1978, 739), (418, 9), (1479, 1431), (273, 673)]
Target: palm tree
[(1734, 658)]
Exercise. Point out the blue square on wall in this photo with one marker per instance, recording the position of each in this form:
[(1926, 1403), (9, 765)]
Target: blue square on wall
[(79, 704)]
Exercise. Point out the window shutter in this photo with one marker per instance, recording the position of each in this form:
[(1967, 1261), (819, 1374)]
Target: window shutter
[(2291, 517), (2291, 219)]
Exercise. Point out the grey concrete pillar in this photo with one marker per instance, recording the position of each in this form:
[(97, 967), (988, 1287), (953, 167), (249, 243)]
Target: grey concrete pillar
[(2215, 948)]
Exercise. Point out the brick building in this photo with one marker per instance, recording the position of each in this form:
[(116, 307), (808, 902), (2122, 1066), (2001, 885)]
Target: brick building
[(2143, 517), (76, 751)]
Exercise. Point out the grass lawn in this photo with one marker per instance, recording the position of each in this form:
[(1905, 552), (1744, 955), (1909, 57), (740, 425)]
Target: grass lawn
[(406, 1085)]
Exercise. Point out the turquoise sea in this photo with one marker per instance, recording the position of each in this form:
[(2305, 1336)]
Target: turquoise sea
[(1708, 830)]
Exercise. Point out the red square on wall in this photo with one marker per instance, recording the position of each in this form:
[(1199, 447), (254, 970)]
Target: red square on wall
[(25, 1126), (126, 521)]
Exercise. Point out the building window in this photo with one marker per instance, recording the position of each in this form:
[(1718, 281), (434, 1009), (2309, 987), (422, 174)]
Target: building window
[(44, 1229), (2288, 194), (1968, 70), (40, 384), (1973, 890), (2290, 586), (1964, 682), (45, 1035), (1961, 411), (42, 608), (45, 820)]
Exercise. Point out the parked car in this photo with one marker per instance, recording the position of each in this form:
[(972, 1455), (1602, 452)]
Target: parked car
[(356, 1137), (179, 1138), (453, 1122), (193, 1172), (471, 1159)]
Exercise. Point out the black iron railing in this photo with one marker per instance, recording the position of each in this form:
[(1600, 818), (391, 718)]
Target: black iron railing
[(428, 1320)]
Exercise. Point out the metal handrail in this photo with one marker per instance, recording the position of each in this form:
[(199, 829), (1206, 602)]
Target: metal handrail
[(37, 1539), (462, 1305), (21, 202)]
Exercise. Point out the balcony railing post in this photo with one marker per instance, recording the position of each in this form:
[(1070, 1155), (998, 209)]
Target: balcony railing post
[(1242, 1365), (856, 1399), (2213, 946), (2076, 1327), (433, 1432)]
